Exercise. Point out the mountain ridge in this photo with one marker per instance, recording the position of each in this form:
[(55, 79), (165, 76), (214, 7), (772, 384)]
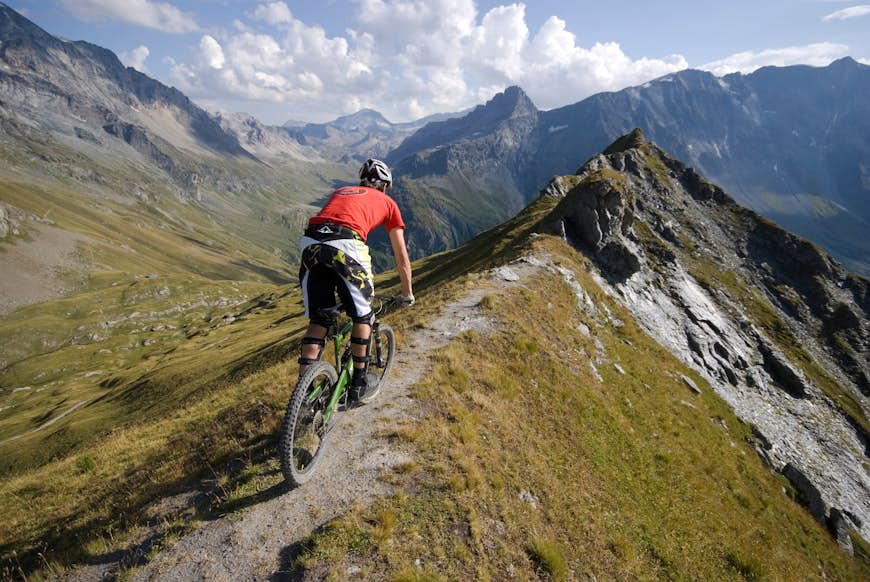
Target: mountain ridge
[(632, 307), (550, 342), (64, 64), (651, 224), (358, 136), (808, 179)]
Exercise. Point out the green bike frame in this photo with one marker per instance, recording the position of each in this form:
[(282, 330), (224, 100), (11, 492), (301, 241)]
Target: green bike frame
[(342, 366)]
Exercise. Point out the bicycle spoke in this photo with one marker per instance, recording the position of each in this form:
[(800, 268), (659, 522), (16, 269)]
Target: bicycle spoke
[(304, 429)]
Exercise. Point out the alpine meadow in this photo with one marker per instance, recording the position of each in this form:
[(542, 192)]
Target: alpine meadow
[(639, 349)]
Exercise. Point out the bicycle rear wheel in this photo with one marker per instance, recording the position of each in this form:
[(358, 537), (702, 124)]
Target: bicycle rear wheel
[(384, 352), (304, 432)]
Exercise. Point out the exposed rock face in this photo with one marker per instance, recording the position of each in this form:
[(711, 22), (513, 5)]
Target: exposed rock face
[(460, 176), (776, 326), (5, 224), (599, 219), (264, 141)]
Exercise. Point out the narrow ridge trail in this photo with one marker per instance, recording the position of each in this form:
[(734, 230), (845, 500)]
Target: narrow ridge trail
[(260, 542)]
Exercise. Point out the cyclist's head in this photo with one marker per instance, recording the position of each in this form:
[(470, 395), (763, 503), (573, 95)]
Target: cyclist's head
[(375, 174)]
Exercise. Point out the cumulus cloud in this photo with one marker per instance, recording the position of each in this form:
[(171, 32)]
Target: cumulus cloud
[(302, 67), (274, 13), (136, 58), (818, 54), (160, 15), (407, 58), (211, 53), (847, 13)]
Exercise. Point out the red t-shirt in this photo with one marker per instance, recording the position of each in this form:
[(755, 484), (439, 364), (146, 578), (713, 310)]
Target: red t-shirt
[(360, 208)]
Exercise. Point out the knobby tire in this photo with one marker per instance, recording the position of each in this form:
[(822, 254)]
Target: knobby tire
[(387, 350), (304, 435)]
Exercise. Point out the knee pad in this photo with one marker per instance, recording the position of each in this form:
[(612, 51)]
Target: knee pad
[(368, 318), (312, 341)]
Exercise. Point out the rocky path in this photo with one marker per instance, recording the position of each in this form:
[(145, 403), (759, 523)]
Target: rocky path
[(258, 542)]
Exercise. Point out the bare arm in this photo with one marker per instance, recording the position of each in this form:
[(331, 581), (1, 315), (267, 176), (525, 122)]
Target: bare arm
[(403, 263)]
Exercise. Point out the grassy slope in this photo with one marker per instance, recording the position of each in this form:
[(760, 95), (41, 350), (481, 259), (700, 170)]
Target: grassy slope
[(118, 322), (195, 406), (180, 411), (632, 476)]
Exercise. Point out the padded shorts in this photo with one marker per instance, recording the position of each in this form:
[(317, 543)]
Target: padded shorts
[(327, 270)]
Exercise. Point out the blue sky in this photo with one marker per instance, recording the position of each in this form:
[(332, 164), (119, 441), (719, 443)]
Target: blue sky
[(314, 61)]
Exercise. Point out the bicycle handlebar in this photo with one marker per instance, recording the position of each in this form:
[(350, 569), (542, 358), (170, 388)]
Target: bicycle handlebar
[(384, 302)]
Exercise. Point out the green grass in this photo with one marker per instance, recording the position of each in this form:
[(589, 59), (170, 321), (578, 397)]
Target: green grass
[(155, 268), (91, 348), (634, 477), (184, 407), (549, 557)]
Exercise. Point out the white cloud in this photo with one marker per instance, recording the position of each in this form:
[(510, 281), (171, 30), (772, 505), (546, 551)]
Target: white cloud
[(211, 53), (819, 54), (408, 58), (136, 58), (847, 13), (500, 40), (302, 67), (274, 13), (159, 15)]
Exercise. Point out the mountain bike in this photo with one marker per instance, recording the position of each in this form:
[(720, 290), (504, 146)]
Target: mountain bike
[(322, 391)]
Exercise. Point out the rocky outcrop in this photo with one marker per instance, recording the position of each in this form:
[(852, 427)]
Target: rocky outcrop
[(461, 176), (7, 224), (512, 104), (14, 221), (776, 326), (598, 218)]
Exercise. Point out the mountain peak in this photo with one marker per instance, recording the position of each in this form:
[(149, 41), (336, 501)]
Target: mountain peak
[(847, 64), (363, 114), (629, 141), (512, 102), (15, 27), (845, 61)]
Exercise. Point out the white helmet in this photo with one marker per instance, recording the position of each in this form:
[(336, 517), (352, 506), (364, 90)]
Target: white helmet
[(375, 171)]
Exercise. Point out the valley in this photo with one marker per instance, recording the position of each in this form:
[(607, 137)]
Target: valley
[(666, 380)]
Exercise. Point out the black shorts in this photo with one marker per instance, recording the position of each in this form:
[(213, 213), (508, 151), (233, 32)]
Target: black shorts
[(326, 271)]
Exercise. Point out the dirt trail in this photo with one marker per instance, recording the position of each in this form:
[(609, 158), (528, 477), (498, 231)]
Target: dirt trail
[(48, 423), (257, 543)]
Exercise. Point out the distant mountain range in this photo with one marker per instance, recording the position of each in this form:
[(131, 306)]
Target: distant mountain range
[(357, 137), (74, 87), (149, 320), (792, 143), (106, 168)]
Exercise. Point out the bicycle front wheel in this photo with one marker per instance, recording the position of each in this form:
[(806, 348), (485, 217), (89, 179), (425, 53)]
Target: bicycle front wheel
[(304, 431), (384, 352)]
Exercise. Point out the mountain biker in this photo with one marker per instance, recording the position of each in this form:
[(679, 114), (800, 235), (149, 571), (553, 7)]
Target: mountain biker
[(335, 259)]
